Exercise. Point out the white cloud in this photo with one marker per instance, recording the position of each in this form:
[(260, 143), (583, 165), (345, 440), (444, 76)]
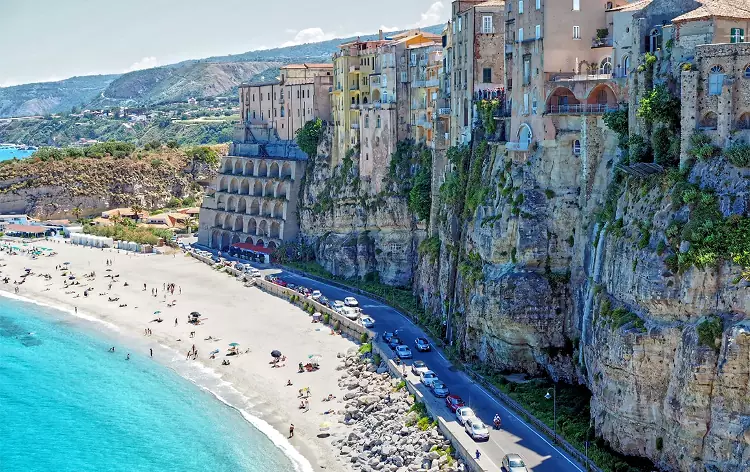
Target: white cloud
[(309, 35), (388, 29), (145, 63), (433, 15)]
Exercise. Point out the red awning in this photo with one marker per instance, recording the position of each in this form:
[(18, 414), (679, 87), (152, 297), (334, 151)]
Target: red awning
[(29, 229), (253, 247)]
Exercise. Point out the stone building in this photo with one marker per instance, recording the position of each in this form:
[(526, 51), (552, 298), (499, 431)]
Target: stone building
[(301, 94), (477, 43)]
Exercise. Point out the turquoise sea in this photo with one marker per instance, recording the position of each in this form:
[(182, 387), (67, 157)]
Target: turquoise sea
[(67, 404), (10, 153)]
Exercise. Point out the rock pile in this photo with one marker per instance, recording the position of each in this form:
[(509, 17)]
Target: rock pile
[(386, 434)]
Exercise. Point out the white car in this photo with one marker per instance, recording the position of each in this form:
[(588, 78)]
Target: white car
[(427, 377), (417, 367), (476, 429), (513, 463), (316, 295), (403, 352), (367, 322), (464, 413), (351, 301), (349, 312), (338, 305), (252, 271)]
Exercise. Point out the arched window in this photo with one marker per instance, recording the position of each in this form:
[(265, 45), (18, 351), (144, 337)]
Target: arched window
[(715, 80), (625, 66), (524, 136), (367, 141), (534, 102), (747, 71), (377, 123), (654, 43), (283, 113), (605, 67), (709, 121), (744, 121), (576, 148), (377, 141)]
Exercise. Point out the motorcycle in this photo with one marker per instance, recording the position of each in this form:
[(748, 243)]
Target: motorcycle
[(496, 422)]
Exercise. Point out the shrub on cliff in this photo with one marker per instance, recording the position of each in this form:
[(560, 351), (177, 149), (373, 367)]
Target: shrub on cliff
[(309, 136), (738, 154), (709, 331)]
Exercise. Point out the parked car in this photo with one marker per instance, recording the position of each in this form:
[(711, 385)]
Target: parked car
[(239, 266), (270, 278), (394, 342), (387, 335), (316, 295), (513, 463), (403, 352), (422, 344), (338, 304), (351, 301), (292, 287), (417, 367), (453, 402), (367, 322), (324, 301), (281, 282), (254, 272), (427, 377), (464, 413), (349, 312), (439, 389), (476, 429)]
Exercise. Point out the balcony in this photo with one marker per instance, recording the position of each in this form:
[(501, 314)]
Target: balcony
[(508, 49), (354, 106), (601, 42), (354, 88), (418, 84), (517, 146), (444, 111), (432, 83), (581, 108)]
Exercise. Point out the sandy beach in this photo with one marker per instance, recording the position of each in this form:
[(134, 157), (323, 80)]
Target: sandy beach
[(230, 313)]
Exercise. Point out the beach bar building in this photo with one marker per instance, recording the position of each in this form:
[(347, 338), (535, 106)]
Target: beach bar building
[(25, 231)]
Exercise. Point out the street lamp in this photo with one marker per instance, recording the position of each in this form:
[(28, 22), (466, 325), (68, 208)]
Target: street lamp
[(554, 407)]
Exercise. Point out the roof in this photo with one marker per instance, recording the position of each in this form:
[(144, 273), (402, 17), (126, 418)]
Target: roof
[(25, 229), (634, 6), (308, 66), (739, 9), (121, 212), (491, 3), (253, 247)]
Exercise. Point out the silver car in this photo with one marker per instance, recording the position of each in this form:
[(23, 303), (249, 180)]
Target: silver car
[(464, 413), (476, 429), (427, 377), (513, 463)]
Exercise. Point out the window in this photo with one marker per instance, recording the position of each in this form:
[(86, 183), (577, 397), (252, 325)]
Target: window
[(454, 27), (520, 35), (605, 67), (487, 25), (520, 6), (253, 97), (608, 6), (576, 5), (526, 69), (396, 247), (367, 141), (737, 35), (525, 103), (377, 123), (283, 113), (367, 121), (414, 58), (744, 121), (538, 4), (576, 32), (538, 31), (534, 102), (377, 140), (459, 24), (747, 71), (715, 80), (486, 75), (367, 157), (576, 148)]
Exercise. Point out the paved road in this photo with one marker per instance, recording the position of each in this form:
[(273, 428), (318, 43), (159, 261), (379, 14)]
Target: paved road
[(516, 436)]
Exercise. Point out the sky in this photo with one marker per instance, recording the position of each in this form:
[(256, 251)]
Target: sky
[(47, 40)]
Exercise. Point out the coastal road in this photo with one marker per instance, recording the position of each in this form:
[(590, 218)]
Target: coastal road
[(516, 436)]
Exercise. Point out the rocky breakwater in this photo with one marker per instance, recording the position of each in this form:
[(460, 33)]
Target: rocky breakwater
[(387, 430)]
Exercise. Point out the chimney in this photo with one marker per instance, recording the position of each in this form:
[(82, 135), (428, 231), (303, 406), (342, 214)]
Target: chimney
[(380, 35)]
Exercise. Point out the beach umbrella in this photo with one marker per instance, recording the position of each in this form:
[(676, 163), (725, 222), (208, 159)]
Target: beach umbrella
[(195, 313), (66, 263), (234, 344), (157, 312), (276, 353), (325, 426)]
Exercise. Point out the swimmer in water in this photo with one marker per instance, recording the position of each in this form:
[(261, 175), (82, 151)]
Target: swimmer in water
[(128, 357)]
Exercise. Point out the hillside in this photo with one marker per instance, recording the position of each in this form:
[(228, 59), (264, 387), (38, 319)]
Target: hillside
[(178, 83), (51, 97), (194, 78)]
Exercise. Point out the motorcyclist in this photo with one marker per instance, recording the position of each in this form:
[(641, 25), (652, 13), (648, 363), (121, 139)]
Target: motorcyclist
[(497, 421)]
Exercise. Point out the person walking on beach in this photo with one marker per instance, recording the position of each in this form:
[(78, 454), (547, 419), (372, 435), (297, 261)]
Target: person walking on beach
[(175, 321), (76, 309), (291, 430), (151, 351), (128, 357)]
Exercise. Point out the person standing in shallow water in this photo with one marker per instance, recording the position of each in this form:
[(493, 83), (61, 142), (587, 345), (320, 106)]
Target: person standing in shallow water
[(291, 430)]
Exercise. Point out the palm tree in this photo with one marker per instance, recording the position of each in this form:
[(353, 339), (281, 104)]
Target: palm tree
[(137, 209), (189, 222), (77, 212)]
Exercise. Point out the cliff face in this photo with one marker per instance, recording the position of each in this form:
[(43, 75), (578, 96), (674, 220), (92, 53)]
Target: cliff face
[(52, 189), (356, 234), (569, 268)]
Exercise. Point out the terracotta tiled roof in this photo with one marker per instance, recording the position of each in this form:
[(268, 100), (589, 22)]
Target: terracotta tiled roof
[(739, 9), (308, 66), (634, 6), (492, 3), (25, 229)]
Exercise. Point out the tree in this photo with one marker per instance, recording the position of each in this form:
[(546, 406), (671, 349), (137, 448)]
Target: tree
[(77, 212), (309, 136), (189, 224), (137, 209)]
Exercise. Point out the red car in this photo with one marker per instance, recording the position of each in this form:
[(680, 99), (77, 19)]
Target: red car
[(453, 402), (280, 282)]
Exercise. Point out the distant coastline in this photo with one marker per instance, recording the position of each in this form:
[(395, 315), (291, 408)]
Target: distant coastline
[(15, 151)]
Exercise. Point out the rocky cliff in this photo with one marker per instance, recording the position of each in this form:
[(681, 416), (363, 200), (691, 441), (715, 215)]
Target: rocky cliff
[(567, 266), (356, 234), (53, 188)]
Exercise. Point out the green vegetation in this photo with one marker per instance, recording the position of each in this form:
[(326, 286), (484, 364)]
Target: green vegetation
[(487, 110), (709, 331), (471, 269), (363, 338), (430, 247), (701, 146), (573, 418), (738, 154), (130, 232), (109, 149), (309, 136), (660, 106), (420, 195), (205, 154), (365, 348), (463, 190)]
